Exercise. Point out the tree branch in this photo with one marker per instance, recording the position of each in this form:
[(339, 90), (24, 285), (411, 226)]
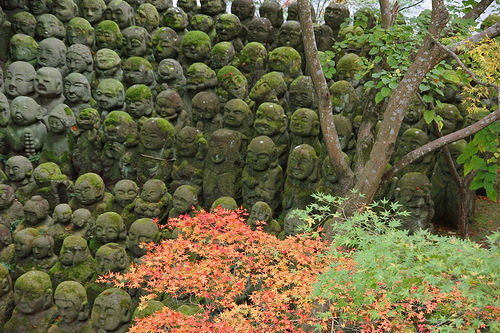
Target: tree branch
[(478, 9), (410, 6)]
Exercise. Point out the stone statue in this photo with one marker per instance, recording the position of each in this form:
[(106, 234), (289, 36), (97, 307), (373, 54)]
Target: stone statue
[(199, 78), (302, 95), (109, 228), (109, 96), (92, 10), (452, 119), (271, 121), (20, 80), (51, 52), (108, 35), (7, 251), (302, 178), (166, 44), (23, 48), (49, 26), (222, 54), (62, 224), (19, 172), (345, 100), (271, 87), (121, 12), (147, 16), (10, 209), (36, 215), (190, 148), (75, 262), (412, 139), (329, 183), (414, 194), (161, 5), (305, 128), (272, 10), (414, 117), (232, 84), (206, 112), (77, 92), (52, 184), (366, 18), (87, 146), (80, 31), (72, 306), (6, 295), (59, 139), (38, 7), (345, 134), (184, 199), (23, 23), (176, 19), (82, 223), (137, 42), (49, 87), (260, 29), (169, 106), (35, 310), (43, 253), (137, 70), (253, 62), (205, 23), (227, 203), (261, 212), (324, 37), (64, 10), (155, 153), (139, 103), (23, 247), (335, 15), (121, 140), (238, 116), (112, 311), (228, 29), (154, 201), (222, 174), (107, 66), (290, 34), (286, 61), (350, 68), (171, 76), (245, 10), (262, 177), (293, 12), (89, 194), (142, 232), (195, 47), (124, 193)]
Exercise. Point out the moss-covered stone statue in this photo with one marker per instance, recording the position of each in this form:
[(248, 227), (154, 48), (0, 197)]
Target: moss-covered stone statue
[(324, 37), (184, 199), (49, 26), (35, 310), (412, 139), (108, 35), (49, 87), (139, 103), (155, 154), (228, 29), (82, 223), (222, 174), (11, 210), (169, 106), (64, 10), (227, 203), (336, 14), (109, 96), (80, 31), (261, 215), (301, 95), (253, 62), (238, 116), (36, 215), (109, 228), (414, 117), (195, 47), (329, 182), (350, 68), (52, 184), (176, 19), (121, 12), (147, 16), (452, 119), (413, 192), (23, 23), (142, 232), (137, 70), (124, 193), (92, 10), (245, 10), (271, 121), (90, 194), (305, 128), (272, 10), (107, 66), (23, 247), (154, 202), (59, 140), (75, 262), (62, 224), (271, 87), (205, 23), (206, 112), (77, 92), (293, 12), (290, 34), (171, 76), (346, 135), (262, 178), (191, 149), (22, 48), (43, 253), (444, 191), (7, 250), (199, 78), (19, 172), (166, 44), (87, 146), (302, 178), (286, 60), (232, 84), (137, 42), (345, 100), (121, 140), (72, 307), (26, 131), (112, 311), (222, 54), (6, 295), (20, 80)]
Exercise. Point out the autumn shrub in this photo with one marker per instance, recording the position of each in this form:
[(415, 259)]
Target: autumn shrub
[(241, 280), (384, 280)]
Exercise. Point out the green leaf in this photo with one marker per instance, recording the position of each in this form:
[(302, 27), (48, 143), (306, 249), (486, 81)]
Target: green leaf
[(373, 51), (393, 85), (429, 116), (369, 84), (378, 97), (385, 91), (428, 98), (377, 59), (424, 87)]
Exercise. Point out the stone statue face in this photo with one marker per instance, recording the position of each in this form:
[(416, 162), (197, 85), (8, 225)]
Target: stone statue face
[(153, 137), (259, 30), (106, 229), (227, 27), (110, 258), (195, 51), (4, 111), (38, 7), (260, 212), (411, 139), (7, 197), (107, 97), (56, 125), (18, 81), (62, 214), (106, 38), (185, 143), (212, 7), (23, 24), (120, 12), (23, 48), (290, 34), (152, 191), (302, 122), (107, 62), (161, 5), (135, 42), (35, 210), (81, 218), (79, 32), (18, 168), (270, 119), (260, 154), (77, 88), (111, 309), (222, 54), (125, 192), (301, 95), (23, 244), (236, 112), (335, 14), (51, 54), (243, 9), (92, 10), (187, 5), (184, 198), (141, 231), (48, 83), (115, 130), (349, 68), (273, 12), (175, 18), (219, 148), (77, 63), (73, 251), (64, 10), (168, 105), (48, 25), (138, 106), (67, 309), (135, 74), (203, 109), (301, 163), (42, 247), (236, 85), (166, 45), (329, 173), (451, 118), (87, 193), (33, 292), (414, 112)]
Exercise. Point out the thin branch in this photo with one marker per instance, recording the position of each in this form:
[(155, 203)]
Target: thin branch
[(478, 9), (410, 6)]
